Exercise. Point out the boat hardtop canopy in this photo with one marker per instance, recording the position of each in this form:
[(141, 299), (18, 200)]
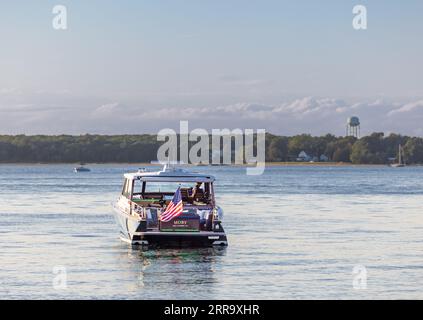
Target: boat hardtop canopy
[(169, 174)]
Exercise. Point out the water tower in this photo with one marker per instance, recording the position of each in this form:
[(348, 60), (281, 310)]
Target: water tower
[(353, 127)]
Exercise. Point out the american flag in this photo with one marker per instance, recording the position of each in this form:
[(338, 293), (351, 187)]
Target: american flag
[(174, 208)]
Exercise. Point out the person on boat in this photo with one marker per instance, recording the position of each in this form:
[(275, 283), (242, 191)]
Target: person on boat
[(195, 191)]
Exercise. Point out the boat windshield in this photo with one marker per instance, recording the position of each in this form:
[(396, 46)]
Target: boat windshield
[(195, 193), (166, 187)]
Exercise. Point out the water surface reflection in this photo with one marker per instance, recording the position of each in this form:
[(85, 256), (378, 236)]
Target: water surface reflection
[(174, 272)]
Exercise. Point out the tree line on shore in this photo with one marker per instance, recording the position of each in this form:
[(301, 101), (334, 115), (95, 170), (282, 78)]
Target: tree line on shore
[(373, 149)]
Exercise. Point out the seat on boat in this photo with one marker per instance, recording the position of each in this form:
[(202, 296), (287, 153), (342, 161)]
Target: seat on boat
[(200, 194), (184, 194)]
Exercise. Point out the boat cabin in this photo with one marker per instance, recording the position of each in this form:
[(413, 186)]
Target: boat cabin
[(147, 194), (156, 189), (145, 197)]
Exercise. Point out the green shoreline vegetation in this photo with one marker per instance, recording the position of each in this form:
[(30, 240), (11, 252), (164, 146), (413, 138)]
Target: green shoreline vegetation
[(375, 149)]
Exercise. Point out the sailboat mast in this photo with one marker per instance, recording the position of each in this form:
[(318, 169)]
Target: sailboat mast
[(400, 155)]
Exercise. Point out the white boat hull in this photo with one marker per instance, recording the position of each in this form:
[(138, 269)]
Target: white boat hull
[(134, 231)]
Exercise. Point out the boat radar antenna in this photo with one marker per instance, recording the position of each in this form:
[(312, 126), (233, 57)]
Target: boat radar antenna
[(168, 165)]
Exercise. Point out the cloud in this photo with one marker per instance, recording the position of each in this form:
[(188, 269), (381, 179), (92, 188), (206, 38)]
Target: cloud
[(409, 107), (108, 109), (9, 91), (314, 115)]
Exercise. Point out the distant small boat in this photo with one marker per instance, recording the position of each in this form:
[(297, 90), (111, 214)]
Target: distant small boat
[(81, 169), (401, 162)]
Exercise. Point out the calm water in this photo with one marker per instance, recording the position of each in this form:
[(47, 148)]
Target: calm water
[(294, 233)]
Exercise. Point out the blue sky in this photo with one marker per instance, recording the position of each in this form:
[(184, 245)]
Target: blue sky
[(143, 56)]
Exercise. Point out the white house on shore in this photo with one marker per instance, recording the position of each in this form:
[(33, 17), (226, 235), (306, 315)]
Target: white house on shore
[(303, 157)]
